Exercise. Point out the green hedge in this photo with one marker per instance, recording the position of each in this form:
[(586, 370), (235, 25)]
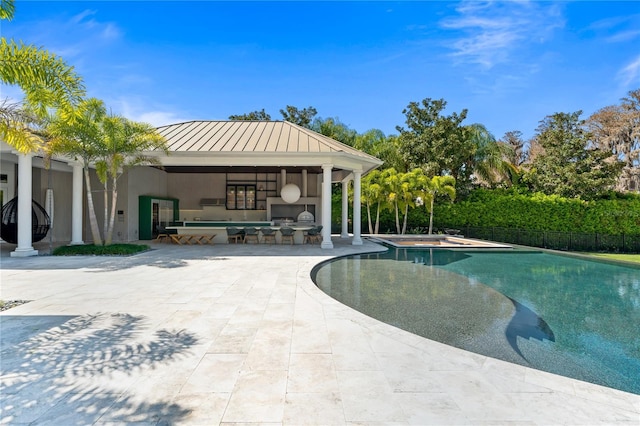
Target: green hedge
[(617, 215), (485, 208), (497, 208)]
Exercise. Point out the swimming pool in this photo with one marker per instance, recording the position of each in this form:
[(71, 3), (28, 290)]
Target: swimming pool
[(555, 313)]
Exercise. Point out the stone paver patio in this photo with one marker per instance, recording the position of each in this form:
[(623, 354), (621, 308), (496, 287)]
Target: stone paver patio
[(232, 334)]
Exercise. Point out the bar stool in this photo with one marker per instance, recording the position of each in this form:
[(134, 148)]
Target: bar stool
[(287, 234), (250, 233), (313, 235), (268, 234), (234, 234)]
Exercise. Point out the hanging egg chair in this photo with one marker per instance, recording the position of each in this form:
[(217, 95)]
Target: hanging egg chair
[(39, 220)]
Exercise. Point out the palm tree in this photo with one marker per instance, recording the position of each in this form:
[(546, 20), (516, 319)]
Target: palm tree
[(429, 188), (125, 144), (408, 193), (487, 162), (400, 191), (46, 81), (372, 194), (112, 143), (392, 183), (82, 140)]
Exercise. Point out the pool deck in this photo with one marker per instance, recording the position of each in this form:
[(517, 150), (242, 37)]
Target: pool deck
[(238, 334)]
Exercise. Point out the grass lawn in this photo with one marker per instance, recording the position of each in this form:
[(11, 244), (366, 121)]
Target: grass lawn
[(615, 256)]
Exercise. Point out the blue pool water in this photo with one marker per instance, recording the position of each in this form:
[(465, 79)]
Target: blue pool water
[(555, 313)]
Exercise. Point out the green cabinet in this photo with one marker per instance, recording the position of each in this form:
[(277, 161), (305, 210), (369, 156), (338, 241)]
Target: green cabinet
[(153, 212)]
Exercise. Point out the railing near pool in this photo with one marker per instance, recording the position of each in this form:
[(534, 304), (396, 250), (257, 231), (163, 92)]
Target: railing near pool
[(554, 240)]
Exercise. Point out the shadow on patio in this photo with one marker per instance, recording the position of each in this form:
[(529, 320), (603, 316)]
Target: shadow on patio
[(78, 369)]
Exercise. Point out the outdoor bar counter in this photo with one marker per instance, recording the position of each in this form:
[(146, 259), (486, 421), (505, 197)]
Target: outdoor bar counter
[(219, 228)]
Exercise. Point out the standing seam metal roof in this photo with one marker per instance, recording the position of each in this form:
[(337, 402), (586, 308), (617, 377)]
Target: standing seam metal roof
[(251, 136)]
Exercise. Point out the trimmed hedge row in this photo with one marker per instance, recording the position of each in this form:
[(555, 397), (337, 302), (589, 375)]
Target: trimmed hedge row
[(537, 211), (508, 209)]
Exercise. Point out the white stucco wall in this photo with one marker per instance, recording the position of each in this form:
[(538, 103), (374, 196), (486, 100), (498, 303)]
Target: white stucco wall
[(61, 183), (190, 188), (8, 188), (141, 181)]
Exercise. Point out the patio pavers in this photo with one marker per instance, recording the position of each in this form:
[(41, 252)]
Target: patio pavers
[(232, 334)]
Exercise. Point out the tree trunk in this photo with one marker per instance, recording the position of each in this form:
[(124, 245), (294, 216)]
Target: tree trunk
[(397, 220), (105, 220), (431, 215), (377, 219), (369, 218), (93, 221), (112, 218), (404, 224)]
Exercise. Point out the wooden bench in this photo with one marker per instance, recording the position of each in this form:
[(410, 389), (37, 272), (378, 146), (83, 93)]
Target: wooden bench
[(192, 238)]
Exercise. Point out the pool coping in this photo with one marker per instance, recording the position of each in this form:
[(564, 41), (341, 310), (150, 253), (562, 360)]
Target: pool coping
[(474, 243)]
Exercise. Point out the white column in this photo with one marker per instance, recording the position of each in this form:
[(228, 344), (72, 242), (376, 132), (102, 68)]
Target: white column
[(25, 225), (76, 205), (357, 240), (345, 209), (326, 206)]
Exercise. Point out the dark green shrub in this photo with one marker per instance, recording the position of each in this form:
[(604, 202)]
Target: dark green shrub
[(93, 250)]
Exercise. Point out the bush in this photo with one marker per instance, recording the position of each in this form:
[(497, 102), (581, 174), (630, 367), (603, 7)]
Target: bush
[(499, 208), (93, 250), (615, 215)]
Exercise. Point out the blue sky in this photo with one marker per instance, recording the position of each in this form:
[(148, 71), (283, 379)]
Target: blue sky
[(509, 63)]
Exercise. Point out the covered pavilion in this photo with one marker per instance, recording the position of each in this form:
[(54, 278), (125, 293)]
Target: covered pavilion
[(216, 170)]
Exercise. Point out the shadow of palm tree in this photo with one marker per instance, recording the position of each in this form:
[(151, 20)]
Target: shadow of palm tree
[(77, 370)]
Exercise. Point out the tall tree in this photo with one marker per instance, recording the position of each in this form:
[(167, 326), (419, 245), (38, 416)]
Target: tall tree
[(408, 194), (46, 81), (252, 116), (126, 144), (387, 150), (392, 183), (373, 195), (301, 117), (437, 144), (335, 129), (110, 142), (429, 188), (374, 142), (569, 165), (82, 140), (616, 129), (486, 155), (518, 154), (400, 192)]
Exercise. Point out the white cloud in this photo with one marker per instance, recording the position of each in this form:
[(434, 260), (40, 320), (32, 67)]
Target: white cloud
[(160, 118), (630, 74), (489, 33), (105, 31), (624, 36), (71, 37), (138, 110), (80, 16), (617, 29)]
